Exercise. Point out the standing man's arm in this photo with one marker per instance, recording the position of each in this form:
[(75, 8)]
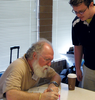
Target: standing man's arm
[(78, 53)]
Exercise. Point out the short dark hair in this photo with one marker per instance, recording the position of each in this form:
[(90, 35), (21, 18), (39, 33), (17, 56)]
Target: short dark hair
[(78, 2)]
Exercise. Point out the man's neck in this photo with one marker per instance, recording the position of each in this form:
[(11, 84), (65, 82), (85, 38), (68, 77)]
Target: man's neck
[(30, 63), (92, 12)]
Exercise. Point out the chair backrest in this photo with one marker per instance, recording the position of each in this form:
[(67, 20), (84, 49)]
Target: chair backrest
[(11, 48)]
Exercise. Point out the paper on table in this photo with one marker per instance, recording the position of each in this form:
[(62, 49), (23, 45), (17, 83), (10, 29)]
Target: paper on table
[(40, 90), (37, 89)]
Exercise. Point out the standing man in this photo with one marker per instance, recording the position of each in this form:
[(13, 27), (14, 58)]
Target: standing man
[(83, 37), (24, 73)]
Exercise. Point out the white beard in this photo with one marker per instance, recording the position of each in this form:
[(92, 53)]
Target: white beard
[(40, 71)]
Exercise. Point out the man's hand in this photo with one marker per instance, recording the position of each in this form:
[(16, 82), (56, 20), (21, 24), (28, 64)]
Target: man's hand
[(79, 74), (53, 89), (49, 96)]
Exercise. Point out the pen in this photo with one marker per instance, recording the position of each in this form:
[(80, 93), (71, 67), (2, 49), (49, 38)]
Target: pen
[(51, 89), (59, 97)]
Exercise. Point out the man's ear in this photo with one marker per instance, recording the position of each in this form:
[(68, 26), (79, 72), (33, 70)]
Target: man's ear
[(34, 55), (91, 4)]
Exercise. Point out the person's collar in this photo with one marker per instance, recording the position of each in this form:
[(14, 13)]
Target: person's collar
[(27, 64), (89, 20)]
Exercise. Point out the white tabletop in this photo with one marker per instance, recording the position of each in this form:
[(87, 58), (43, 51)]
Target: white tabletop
[(77, 94)]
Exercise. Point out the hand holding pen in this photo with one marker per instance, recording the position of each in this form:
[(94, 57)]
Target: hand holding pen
[(52, 91)]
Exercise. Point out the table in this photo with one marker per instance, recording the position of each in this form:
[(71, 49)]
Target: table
[(77, 94)]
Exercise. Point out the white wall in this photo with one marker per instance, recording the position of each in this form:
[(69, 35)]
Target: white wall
[(17, 28), (62, 21)]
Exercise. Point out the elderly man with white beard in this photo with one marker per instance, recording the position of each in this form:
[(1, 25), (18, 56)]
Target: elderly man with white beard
[(25, 72)]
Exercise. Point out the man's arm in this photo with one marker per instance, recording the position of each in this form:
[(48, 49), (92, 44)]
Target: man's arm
[(21, 95), (78, 53), (56, 78)]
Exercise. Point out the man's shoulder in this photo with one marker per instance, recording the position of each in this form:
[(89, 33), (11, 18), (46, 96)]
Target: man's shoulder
[(75, 21), (75, 18), (18, 61), (18, 64)]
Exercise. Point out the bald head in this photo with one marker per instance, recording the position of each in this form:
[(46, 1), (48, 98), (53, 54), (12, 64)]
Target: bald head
[(43, 46), (47, 49)]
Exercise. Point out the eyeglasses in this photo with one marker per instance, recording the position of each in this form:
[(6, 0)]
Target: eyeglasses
[(80, 12), (47, 60)]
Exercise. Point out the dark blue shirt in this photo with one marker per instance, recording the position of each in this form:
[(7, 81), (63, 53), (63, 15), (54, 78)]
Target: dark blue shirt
[(84, 34)]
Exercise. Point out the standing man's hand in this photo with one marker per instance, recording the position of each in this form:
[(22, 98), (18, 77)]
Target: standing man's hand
[(79, 74)]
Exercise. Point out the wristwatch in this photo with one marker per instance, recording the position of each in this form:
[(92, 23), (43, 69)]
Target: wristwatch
[(54, 82)]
